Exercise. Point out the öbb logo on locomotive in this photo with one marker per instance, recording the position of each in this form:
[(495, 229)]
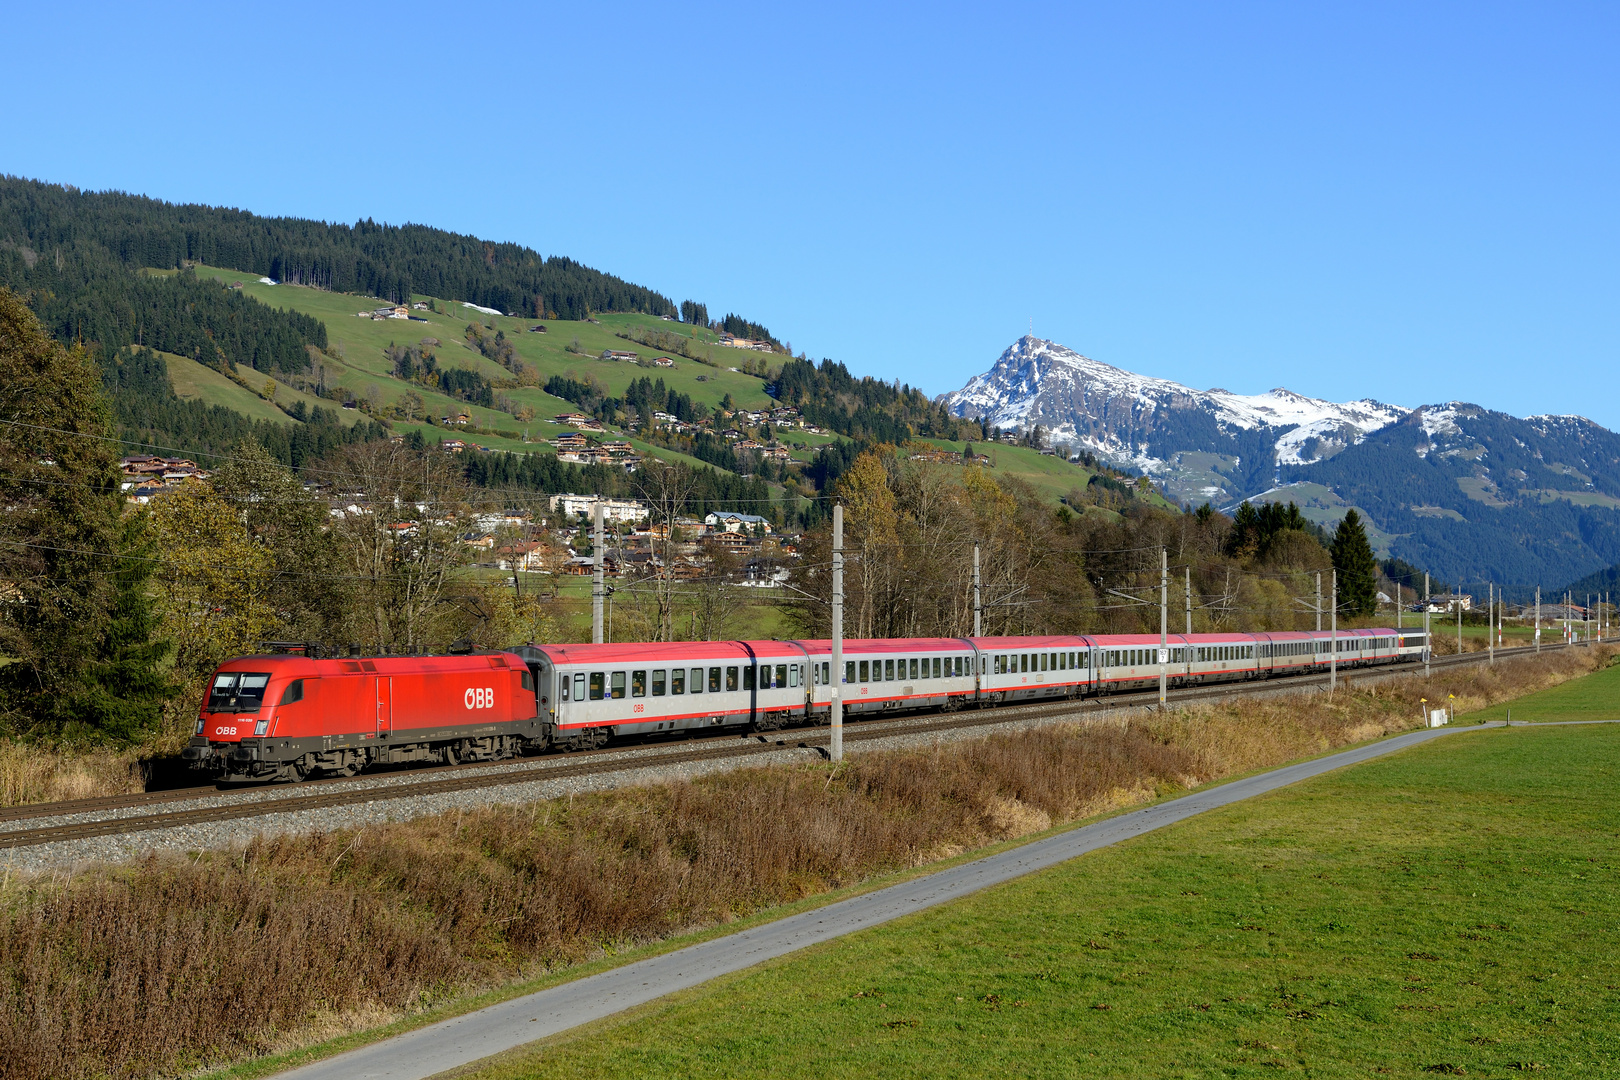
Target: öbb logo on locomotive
[(286, 716)]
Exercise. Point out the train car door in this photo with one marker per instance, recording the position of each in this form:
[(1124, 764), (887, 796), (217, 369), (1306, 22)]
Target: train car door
[(385, 705)]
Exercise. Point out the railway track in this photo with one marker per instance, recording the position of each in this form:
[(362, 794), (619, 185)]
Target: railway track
[(236, 804)]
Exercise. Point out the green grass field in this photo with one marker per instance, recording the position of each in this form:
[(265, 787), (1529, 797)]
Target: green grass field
[(195, 381), (361, 342), (1596, 697), (1451, 910)]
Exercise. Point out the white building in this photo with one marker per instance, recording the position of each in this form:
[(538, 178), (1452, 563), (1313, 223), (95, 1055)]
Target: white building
[(626, 510), (729, 521)]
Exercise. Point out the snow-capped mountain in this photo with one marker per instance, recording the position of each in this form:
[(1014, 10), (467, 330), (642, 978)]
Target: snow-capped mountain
[(1115, 412), (1153, 424), (1469, 493)]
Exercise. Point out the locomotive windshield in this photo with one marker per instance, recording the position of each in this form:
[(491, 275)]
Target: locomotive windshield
[(237, 691)]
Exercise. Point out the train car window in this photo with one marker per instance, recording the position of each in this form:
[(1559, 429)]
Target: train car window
[(781, 675), (598, 685), (888, 671), (562, 690), (748, 677), (579, 687), (865, 675), (793, 675), (658, 682), (696, 686), (714, 680), (638, 683), (913, 663), (616, 685), (849, 671), (677, 680), (938, 660), (295, 690)]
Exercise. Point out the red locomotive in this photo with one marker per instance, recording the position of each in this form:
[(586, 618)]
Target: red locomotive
[(285, 716)]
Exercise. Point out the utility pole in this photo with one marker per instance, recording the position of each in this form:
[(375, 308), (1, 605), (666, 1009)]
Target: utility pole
[(835, 748), (1189, 601), (978, 607), (1319, 601), (596, 575), (1490, 625), (1538, 618), (1427, 641), (1458, 599), (1164, 623), (1333, 662)]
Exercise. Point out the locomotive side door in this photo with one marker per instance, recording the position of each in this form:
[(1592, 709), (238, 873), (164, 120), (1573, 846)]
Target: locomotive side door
[(385, 705)]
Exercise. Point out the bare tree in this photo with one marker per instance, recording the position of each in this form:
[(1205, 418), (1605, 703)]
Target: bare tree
[(402, 541), (666, 489)]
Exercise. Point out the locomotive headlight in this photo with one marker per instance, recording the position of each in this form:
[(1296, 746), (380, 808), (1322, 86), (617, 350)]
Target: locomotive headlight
[(261, 727), (199, 726)]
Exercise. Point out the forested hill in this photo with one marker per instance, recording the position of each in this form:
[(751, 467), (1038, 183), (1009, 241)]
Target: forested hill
[(47, 230)]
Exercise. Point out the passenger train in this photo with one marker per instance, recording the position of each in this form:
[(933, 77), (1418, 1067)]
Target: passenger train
[(290, 715)]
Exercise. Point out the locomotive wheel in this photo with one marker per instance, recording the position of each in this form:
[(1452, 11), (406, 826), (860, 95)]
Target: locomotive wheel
[(450, 755)]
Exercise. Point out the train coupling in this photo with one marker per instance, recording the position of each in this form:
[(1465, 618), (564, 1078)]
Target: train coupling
[(198, 751)]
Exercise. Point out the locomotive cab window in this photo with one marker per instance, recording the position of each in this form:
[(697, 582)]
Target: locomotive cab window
[(237, 691), (528, 683), (295, 691)]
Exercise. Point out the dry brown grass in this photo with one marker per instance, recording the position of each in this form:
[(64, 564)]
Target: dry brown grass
[(34, 774), (172, 963)]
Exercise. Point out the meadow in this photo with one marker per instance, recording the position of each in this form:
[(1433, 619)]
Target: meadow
[(1450, 910)]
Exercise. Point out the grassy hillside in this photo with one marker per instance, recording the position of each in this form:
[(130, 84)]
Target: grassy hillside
[(198, 382), (1047, 474), (360, 344)]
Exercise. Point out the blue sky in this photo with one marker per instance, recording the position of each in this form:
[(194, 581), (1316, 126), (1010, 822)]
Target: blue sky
[(1412, 204)]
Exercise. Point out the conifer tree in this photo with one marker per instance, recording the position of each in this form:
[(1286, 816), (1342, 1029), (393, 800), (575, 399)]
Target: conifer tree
[(1358, 570), (74, 621)]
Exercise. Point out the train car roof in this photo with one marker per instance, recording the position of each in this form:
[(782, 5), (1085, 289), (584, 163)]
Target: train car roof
[(1065, 641), (823, 646), (666, 651)]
